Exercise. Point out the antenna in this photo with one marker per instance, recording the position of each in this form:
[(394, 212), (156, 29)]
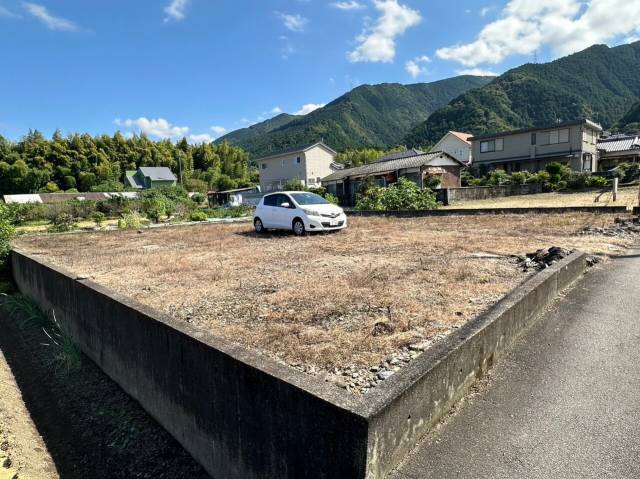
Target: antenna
[(535, 56)]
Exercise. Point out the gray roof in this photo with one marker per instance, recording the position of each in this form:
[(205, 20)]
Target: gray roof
[(297, 149), (381, 167), (158, 173), (619, 143), (583, 121), (401, 154)]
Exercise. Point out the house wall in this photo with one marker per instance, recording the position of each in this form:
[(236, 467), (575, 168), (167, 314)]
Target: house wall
[(453, 145), (159, 184), (317, 165), (519, 154), (314, 163)]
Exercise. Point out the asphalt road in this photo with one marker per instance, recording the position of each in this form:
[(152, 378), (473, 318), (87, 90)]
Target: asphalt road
[(565, 402)]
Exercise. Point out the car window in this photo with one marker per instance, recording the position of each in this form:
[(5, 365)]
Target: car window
[(282, 199), (270, 200), (309, 199)]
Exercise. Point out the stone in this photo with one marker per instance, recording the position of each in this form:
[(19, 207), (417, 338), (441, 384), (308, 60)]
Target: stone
[(382, 375), (422, 346)]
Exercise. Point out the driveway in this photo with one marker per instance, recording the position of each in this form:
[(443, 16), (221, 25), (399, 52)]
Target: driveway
[(565, 403)]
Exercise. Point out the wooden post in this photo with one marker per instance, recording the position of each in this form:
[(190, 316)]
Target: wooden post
[(615, 188)]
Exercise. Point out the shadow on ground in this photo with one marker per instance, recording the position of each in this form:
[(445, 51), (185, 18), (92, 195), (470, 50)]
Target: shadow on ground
[(90, 426)]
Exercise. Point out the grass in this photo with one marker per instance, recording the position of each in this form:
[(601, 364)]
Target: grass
[(327, 302), (627, 196)]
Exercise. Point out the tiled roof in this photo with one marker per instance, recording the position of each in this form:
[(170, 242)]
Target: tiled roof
[(619, 144), (401, 154), (463, 136), (380, 167)]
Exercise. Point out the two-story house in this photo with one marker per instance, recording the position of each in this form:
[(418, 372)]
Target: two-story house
[(456, 144), (572, 143), (149, 177), (307, 164)]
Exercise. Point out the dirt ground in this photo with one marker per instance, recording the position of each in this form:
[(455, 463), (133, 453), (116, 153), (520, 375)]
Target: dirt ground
[(627, 196), (61, 417), (339, 303)]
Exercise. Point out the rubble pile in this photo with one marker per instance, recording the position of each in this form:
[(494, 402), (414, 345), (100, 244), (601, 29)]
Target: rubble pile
[(622, 227), (543, 258)]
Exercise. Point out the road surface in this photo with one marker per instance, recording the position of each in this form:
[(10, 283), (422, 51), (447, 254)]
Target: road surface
[(565, 403)]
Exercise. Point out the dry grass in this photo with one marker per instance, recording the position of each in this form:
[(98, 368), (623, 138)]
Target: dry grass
[(330, 301), (627, 196)]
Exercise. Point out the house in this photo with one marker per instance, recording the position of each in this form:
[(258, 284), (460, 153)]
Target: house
[(457, 144), (572, 143), (48, 198), (414, 165), (306, 164), (234, 197), (149, 177), (617, 149)]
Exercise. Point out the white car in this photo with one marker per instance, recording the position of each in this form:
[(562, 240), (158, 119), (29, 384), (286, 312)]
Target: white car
[(299, 211)]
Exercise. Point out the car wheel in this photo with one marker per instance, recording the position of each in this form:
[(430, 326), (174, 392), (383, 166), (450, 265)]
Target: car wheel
[(298, 227), (257, 224)]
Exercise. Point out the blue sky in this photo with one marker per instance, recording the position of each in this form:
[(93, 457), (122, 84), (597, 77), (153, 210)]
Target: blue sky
[(202, 67)]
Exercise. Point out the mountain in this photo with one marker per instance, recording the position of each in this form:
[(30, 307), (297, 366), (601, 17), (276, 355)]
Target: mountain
[(630, 122), (367, 116), (597, 83)]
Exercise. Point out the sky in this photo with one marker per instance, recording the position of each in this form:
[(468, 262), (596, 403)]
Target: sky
[(201, 68)]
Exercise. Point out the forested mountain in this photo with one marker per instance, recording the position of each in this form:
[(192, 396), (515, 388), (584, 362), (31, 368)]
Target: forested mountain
[(375, 116), (86, 163), (630, 122), (597, 83)]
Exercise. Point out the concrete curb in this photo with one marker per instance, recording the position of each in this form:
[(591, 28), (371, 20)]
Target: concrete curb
[(493, 211), (243, 415)]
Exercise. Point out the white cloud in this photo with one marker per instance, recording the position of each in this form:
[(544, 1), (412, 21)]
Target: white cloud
[(485, 10), (377, 43), (287, 48), (349, 5), (159, 127), (201, 138), (308, 108), (565, 26), (477, 72), (176, 10), (218, 130), (52, 22), (295, 23), (416, 67), (276, 110)]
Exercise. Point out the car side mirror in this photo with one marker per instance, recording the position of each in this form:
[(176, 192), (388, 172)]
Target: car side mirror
[(285, 205)]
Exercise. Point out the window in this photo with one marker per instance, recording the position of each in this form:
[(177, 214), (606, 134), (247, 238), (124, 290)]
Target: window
[(281, 199), (559, 136), (298, 160), (283, 163), (311, 181), (563, 135), (264, 166), (487, 146), (533, 138), (586, 161), (492, 145), (270, 200)]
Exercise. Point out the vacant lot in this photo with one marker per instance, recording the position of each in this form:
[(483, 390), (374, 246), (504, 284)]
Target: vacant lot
[(627, 196), (340, 303)]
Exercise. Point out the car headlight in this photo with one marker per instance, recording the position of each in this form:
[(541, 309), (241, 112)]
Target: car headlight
[(311, 212)]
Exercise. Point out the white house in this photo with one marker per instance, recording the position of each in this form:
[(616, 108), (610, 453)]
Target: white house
[(456, 144), (307, 164)]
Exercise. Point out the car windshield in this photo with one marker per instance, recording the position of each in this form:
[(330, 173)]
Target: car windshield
[(309, 199)]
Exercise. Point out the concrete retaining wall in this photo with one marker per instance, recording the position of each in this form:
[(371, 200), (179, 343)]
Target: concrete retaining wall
[(242, 415), (472, 193), (494, 211)]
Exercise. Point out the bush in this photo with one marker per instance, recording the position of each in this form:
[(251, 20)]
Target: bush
[(198, 216), (293, 185), (404, 195), (131, 220), (578, 179), (520, 177), (61, 223), (497, 177), (98, 218), (596, 181), (198, 198), (155, 204), (331, 198), (7, 232), (234, 212)]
